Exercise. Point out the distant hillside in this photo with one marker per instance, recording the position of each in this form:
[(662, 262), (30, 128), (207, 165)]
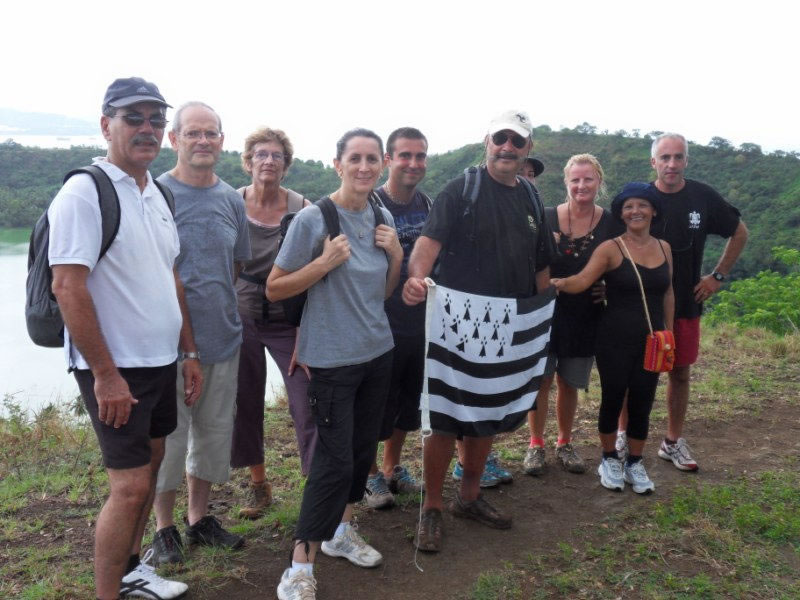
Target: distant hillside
[(16, 122), (766, 188)]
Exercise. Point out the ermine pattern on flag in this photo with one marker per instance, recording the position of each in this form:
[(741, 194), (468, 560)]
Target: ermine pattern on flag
[(485, 359)]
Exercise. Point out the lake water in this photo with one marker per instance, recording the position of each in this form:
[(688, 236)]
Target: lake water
[(37, 376)]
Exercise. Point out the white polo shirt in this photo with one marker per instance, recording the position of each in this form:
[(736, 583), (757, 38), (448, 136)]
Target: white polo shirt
[(132, 287)]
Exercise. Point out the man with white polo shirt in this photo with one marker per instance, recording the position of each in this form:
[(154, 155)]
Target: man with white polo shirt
[(125, 318)]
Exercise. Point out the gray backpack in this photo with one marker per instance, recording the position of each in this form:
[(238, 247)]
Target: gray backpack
[(42, 315)]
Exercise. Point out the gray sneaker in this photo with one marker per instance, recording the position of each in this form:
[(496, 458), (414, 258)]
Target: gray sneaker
[(300, 586), (533, 462), (636, 476), (403, 482), (570, 459), (378, 494), (610, 471), (352, 546)]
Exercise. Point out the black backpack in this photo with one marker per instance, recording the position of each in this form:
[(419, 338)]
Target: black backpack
[(42, 315), (293, 307)]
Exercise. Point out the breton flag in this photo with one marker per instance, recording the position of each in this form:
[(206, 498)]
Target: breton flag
[(485, 359)]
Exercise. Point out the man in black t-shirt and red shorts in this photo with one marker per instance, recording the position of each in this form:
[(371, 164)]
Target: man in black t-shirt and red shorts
[(692, 210)]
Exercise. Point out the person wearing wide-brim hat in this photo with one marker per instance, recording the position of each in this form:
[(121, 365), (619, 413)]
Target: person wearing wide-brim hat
[(623, 328)]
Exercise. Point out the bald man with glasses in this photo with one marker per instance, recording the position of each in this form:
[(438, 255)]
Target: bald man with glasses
[(212, 226)]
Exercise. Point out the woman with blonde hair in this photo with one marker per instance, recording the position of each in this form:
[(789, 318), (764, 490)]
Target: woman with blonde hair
[(579, 226)]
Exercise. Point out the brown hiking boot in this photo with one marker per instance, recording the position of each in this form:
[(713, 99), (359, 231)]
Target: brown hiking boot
[(570, 459), (429, 534), (260, 497), (481, 511)]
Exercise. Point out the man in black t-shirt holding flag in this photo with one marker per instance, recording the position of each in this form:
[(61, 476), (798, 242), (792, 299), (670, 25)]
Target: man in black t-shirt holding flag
[(692, 211), (489, 319)]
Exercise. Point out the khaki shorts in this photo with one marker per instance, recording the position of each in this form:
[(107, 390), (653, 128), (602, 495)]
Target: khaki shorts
[(201, 444)]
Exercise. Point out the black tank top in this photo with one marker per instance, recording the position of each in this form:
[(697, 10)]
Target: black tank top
[(623, 320)]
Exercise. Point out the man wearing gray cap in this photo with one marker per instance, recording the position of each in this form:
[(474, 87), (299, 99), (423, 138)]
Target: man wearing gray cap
[(488, 232), (125, 317)]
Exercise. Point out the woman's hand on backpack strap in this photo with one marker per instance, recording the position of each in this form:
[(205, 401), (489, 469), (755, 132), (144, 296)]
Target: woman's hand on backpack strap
[(335, 251), (386, 238)]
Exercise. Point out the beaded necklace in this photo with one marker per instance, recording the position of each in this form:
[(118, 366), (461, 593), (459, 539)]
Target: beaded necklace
[(575, 247)]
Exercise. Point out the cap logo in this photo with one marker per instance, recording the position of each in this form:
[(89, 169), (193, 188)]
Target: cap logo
[(142, 89), (522, 118)]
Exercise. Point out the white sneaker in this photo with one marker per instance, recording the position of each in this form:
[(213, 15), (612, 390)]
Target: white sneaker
[(144, 582), (678, 453), (352, 546), (300, 586), (636, 475), (610, 471), (621, 445)]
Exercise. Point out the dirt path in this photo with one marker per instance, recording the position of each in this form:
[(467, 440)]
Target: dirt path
[(553, 508)]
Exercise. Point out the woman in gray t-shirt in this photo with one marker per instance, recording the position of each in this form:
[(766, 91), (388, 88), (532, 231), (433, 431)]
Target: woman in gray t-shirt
[(346, 342)]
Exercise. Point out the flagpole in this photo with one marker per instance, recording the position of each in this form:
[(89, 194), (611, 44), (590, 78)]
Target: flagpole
[(424, 400)]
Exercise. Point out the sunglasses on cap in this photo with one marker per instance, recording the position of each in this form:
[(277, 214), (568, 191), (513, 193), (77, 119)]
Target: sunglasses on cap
[(501, 137), (157, 121)]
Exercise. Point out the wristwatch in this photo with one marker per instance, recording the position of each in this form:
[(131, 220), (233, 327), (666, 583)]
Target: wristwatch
[(185, 355), (718, 276)]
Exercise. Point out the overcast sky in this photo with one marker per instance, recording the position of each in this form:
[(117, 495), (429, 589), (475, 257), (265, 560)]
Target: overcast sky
[(316, 69)]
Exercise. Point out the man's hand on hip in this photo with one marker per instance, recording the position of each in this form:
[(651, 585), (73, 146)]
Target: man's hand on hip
[(707, 287)]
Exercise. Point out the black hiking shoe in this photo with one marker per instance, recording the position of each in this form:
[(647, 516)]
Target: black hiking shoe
[(167, 546), (208, 531)]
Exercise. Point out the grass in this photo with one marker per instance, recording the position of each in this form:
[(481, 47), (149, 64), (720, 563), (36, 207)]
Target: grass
[(52, 483), (721, 541), (740, 538)]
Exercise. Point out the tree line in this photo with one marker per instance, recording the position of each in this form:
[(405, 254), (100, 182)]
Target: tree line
[(765, 187)]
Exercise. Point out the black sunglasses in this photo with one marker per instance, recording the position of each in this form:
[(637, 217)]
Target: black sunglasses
[(136, 120), (501, 137)]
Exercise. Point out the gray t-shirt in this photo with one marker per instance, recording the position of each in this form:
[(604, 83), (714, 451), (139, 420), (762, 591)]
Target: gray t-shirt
[(212, 227), (344, 322)]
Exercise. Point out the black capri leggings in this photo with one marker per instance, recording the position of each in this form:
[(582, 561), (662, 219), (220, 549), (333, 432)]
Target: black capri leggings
[(621, 371), (347, 404)]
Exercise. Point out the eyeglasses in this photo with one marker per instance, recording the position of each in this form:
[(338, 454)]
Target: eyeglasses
[(263, 155), (501, 137), (196, 134), (157, 121)]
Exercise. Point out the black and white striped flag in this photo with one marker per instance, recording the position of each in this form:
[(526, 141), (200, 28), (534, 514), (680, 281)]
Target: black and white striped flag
[(485, 360)]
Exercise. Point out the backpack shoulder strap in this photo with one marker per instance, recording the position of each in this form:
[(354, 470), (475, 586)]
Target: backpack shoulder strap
[(109, 204), (376, 210), (375, 198), (167, 193), (427, 200), (377, 204), (472, 184), (329, 214), (294, 202), (533, 194)]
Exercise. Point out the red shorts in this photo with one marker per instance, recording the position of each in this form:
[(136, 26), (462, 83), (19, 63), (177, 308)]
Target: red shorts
[(687, 341)]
